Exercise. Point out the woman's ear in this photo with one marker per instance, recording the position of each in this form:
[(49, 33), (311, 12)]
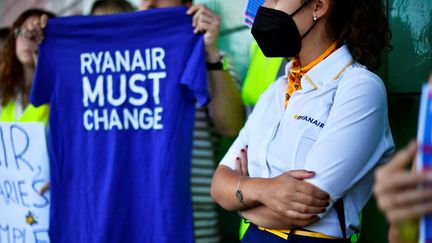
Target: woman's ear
[(321, 8)]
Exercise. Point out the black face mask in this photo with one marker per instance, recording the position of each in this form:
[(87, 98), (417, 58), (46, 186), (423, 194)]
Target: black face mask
[(276, 32)]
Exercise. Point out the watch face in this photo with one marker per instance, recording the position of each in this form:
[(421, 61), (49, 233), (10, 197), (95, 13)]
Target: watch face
[(215, 66), (239, 195)]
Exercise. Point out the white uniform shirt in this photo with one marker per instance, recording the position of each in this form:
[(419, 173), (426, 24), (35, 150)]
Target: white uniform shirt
[(336, 126)]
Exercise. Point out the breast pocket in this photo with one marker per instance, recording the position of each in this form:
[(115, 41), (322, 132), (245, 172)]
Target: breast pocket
[(313, 125)]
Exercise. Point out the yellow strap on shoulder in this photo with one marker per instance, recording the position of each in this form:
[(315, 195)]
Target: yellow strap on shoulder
[(262, 72), (30, 114)]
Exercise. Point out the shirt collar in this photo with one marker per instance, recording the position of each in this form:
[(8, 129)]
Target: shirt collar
[(325, 71)]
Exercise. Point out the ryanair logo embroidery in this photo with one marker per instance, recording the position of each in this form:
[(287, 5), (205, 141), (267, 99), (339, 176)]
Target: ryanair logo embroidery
[(310, 120)]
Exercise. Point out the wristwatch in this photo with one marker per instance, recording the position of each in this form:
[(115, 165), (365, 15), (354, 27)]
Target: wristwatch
[(239, 193), (221, 65)]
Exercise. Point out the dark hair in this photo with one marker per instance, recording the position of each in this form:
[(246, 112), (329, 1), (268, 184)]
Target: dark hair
[(112, 6), (363, 26), (11, 70), (4, 32)]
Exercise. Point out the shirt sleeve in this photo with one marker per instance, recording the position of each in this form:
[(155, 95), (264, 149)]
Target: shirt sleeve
[(243, 138), (45, 76), (354, 140), (194, 75), (234, 151)]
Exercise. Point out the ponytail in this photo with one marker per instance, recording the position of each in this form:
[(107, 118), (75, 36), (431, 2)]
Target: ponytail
[(363, 26)]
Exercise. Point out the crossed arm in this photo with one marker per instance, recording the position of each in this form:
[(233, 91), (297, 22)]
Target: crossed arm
[(278, 203)]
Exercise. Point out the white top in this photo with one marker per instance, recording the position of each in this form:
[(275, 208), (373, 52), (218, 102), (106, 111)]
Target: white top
[(336, 126)]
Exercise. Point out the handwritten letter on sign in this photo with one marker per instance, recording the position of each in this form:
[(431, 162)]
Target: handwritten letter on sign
[(24, 170)]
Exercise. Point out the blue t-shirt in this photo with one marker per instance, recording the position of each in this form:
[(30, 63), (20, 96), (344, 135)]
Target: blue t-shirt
[(122, 90)]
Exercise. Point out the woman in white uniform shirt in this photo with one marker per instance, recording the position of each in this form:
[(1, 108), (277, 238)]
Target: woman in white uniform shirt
[(317, 134)]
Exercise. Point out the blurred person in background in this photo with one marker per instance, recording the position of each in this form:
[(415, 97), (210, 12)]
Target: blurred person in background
[(224, 116), (17, 67), (400, 196)]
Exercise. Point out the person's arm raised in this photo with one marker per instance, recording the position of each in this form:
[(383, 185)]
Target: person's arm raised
[(36, 29), (226, 107), (288, 195)]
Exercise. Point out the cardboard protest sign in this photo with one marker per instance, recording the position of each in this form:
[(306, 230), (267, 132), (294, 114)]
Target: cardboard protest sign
[(24, 170)]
